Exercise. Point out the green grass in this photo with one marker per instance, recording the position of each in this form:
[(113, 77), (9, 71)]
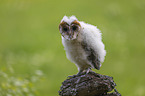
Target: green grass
[(30, 44)]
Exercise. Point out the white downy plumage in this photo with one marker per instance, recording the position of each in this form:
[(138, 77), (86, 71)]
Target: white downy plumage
[(79, 53)]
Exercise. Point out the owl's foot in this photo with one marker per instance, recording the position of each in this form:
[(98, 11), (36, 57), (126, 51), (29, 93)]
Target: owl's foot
[(81, 72), (88, 70), (84, 72)]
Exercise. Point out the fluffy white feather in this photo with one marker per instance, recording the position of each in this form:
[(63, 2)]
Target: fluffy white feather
[(69, 20), (94, 39), (74, 50)]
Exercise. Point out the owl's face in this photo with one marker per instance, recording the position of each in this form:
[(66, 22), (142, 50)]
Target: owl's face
[(69, 28)]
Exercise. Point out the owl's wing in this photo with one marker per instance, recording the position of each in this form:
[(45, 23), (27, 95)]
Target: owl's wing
[(92, 36), (92, 56)]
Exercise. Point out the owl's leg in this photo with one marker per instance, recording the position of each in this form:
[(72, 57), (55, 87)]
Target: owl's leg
[(86, 71), (80, 72)]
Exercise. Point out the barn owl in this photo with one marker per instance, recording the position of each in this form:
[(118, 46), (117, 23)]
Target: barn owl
[(82, 43)]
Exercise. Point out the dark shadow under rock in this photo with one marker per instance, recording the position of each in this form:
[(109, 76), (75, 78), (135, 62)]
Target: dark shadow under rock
[(91, 84)]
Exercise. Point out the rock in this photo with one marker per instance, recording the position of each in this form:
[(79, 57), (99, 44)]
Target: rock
[(91, 84)]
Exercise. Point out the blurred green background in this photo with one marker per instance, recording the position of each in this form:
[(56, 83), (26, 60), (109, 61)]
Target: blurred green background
[(33, 60)]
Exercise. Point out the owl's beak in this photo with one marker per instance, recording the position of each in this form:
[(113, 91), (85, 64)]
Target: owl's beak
[(71, 35), (68, 35)]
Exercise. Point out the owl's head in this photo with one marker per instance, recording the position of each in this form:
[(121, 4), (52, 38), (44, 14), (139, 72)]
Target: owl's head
[(69, 27)]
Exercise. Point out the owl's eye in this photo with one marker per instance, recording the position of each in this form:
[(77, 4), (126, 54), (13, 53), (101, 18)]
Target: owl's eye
[(65, 29), (74, 28)]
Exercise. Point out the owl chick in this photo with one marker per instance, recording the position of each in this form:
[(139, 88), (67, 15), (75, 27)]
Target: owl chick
[(82, 43)]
